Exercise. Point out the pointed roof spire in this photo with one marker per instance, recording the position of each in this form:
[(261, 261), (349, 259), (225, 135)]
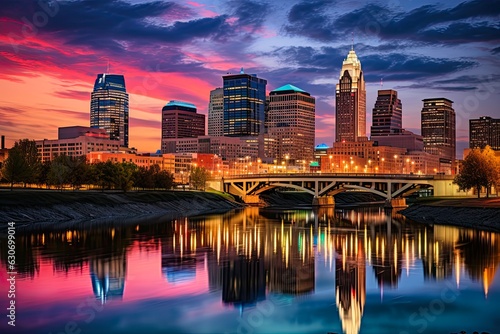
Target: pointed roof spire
[(242, 71)]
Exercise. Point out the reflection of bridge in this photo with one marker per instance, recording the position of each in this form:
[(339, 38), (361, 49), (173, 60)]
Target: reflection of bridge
[(324, 186)]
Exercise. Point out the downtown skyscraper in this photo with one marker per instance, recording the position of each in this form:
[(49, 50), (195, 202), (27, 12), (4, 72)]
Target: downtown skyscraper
[(484, 131), (109, 107), (244, 105), (350, 101), (438, 128), (291, 124), (387, 114), (216, 113)]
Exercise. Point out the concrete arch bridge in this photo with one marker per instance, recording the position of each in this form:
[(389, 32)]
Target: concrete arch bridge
[(392, 187)]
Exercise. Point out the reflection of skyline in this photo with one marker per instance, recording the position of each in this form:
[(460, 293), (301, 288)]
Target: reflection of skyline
[(245, 256)]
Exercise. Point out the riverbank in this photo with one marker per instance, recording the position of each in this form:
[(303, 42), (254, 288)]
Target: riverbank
[(480, 213), (44, 207)]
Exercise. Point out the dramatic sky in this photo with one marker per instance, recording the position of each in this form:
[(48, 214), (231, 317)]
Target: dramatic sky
[(51, 52)]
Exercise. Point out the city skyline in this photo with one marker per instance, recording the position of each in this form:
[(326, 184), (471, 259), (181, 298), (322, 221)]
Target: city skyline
[(180, 51)]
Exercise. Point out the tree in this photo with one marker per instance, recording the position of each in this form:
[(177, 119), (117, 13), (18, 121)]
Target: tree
[(479, 169), (199, 177), (103, 174), (124, 175), (492, 172), (15, 169), (59, 172), (164, 180), (29, 153)]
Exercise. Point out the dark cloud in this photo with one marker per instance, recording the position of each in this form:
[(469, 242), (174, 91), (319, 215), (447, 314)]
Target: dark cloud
[(495, 50), (309, 19), (426, 23), (250, 14)]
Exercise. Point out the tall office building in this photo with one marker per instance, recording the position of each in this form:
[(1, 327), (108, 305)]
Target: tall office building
[(291, 123), (180, 120), (387, 114), (438, 128), (244, 105), (109, 107), (216, 113), (484, 131), (350, 101)]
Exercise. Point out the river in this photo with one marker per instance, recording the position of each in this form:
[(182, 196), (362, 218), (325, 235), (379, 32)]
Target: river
[(363, 270)]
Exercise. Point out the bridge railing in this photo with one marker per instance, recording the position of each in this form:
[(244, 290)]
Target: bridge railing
[(343, 175)]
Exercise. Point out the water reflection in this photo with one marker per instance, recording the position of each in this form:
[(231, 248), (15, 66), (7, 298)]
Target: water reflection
[(245, 256)]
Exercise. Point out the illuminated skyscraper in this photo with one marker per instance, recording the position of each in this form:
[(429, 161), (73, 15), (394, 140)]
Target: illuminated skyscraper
[(109, 107), (180, 120), (244, 103), (291, 123), (438, 128), (350, 101), (484, 131), (387, 114), (216, 113)]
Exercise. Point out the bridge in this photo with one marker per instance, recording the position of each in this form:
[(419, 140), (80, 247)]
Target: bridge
[(392, 187)]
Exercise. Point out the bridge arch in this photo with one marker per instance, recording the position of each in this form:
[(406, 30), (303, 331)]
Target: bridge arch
[(284, 185)]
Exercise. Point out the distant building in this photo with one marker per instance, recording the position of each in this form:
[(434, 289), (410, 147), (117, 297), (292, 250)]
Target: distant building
[(76, 141), (165, 161), (484, 131), (216, 113), (387, 114), (244, 104), (109, 107), (405, 139), (291, 123), (180, 120), (350, 101), (438, 129)]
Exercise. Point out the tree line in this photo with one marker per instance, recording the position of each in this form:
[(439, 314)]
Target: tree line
[(480, 169), (23, 165)]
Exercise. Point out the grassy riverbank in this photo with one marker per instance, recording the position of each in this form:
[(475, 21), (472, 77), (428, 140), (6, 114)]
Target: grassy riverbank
[(27, 207), (481, 213)]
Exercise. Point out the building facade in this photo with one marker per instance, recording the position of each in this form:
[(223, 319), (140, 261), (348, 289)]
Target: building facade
[(291, 123), (438, 128), (484, 131), (244, 105), (350, 101), (75, 141), (216, 113), (387, 114), (180, 120), (109, 107)]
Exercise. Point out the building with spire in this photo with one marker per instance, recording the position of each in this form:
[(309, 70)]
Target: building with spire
[(350, 101), (291, 125), (109, 107)]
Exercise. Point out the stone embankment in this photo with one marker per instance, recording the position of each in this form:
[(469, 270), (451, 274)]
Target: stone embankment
[(47, 208), (481, 213)]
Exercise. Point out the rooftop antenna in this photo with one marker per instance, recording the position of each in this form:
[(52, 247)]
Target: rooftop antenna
[(381, 82), (352, 40)]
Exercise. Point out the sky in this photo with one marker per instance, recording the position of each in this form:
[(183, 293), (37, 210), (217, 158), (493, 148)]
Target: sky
[(51, 52)]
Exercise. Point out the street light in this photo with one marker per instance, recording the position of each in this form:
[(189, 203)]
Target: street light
[(383, 159), (395, 164), (331, 156), (286, 165)]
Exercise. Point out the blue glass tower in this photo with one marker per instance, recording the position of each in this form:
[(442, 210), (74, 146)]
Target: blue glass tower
[(109, 107), (244, 105)]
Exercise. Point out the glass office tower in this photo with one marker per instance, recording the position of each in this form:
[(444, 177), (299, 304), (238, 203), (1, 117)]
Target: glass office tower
[(109, 107), (244, 105)]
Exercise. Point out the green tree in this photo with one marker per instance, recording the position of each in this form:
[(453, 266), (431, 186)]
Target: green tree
[(164, 180), (29, 153), (199, 177), (124, 175), (59, 172), (14, 169), (103, 174)]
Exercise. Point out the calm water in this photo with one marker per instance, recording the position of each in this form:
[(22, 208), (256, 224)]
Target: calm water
[(257, 271)]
